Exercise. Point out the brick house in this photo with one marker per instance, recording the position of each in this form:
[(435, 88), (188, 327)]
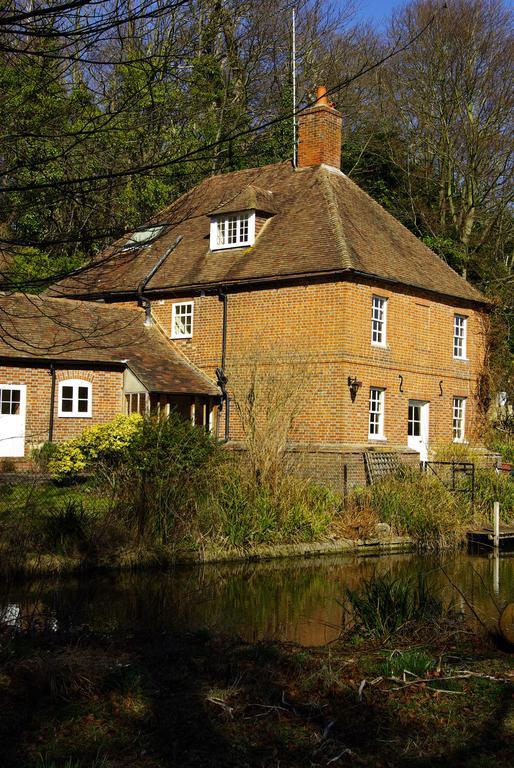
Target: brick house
[(299, 266), (66, 364)]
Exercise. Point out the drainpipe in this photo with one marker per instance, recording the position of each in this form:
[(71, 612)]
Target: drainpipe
[(52, 405), (143, 301), (220, 372)]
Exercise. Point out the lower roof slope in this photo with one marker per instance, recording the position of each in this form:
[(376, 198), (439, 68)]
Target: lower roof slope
[(44, 328), (323, 223)]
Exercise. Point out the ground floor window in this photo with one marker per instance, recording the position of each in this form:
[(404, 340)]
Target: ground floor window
[(75, 398), (137, 402), (376, 413), (459, 416)]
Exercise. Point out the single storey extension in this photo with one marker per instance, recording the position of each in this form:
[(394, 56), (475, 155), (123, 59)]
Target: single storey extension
[(66, 364)]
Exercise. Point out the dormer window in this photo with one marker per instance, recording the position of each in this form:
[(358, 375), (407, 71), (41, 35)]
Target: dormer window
[(232, 230)]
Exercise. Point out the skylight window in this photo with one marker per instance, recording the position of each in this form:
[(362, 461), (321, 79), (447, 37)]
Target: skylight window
[(142, 237)]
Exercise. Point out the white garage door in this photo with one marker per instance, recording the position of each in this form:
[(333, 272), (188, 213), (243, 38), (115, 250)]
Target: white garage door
[(12, 419)]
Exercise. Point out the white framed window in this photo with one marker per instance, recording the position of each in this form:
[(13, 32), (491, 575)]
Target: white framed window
[(182, 320), (233, 230), (459, 419), (459, 336), (74, 398), (376, 413), (378, 321)]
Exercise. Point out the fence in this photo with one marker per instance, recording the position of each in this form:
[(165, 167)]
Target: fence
[(456, 476), (27, 493)]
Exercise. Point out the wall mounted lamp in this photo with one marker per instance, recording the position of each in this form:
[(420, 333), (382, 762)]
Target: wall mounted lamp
[(354, 386)]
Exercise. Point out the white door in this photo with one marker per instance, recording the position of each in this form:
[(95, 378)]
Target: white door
[(417, 429), (12, 419)]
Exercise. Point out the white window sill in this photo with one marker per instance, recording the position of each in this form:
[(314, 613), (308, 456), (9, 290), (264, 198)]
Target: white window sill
[(75, 415), (378, 345), (175, 338), (377, 438), (461, 441), (461, 359)]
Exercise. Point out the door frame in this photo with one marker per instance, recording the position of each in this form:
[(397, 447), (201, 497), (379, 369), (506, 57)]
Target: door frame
[(424, 417), (22, 415)]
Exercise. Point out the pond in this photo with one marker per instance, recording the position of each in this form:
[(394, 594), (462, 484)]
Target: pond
[(295, 600)]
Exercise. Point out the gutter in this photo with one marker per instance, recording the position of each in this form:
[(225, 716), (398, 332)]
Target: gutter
[(274, 279), (45, 362)]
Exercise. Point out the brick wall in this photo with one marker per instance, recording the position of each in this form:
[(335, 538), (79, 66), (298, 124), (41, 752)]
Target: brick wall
[(319, 137), (107, 393), (324, 330)]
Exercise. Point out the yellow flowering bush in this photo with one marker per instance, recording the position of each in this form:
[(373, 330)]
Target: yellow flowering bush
[(104, 442)]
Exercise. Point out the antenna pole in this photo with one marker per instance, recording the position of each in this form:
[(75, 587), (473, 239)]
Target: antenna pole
[(293, 67)]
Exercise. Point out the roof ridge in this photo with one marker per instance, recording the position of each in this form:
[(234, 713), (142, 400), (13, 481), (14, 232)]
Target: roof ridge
[(334, 217)]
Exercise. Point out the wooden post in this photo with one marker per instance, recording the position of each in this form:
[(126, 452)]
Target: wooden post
[(496, 572), (496, 523)]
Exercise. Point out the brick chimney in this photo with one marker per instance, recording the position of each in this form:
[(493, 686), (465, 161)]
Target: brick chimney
[(319, 133)]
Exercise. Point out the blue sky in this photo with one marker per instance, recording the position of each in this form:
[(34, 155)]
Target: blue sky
[(375, 11)]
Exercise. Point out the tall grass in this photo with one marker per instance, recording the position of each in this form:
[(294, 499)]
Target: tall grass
[(244, 512), (416, 505), (384, 605)]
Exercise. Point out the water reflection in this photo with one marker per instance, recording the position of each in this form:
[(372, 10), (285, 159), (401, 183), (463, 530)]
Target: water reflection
[(292, 600)]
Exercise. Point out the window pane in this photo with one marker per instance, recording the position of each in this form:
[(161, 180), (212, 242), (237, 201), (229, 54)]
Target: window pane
[(232, 230), (82, 406), (243, 228), (414, 426), (5, 408), (67, 393), (220, 233), (83, 393), (66, 405)]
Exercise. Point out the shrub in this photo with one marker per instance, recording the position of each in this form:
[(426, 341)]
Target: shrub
[(503, 443), (491, 486), (65, 529), (168, 471), (43, 455), (103, 444)]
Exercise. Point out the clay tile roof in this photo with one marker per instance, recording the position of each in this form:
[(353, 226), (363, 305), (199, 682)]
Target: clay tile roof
[(43, 328), (250, 198), (324, 223)]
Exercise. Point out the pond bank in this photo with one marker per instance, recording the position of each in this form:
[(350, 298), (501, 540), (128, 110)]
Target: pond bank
[(42, 565)]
